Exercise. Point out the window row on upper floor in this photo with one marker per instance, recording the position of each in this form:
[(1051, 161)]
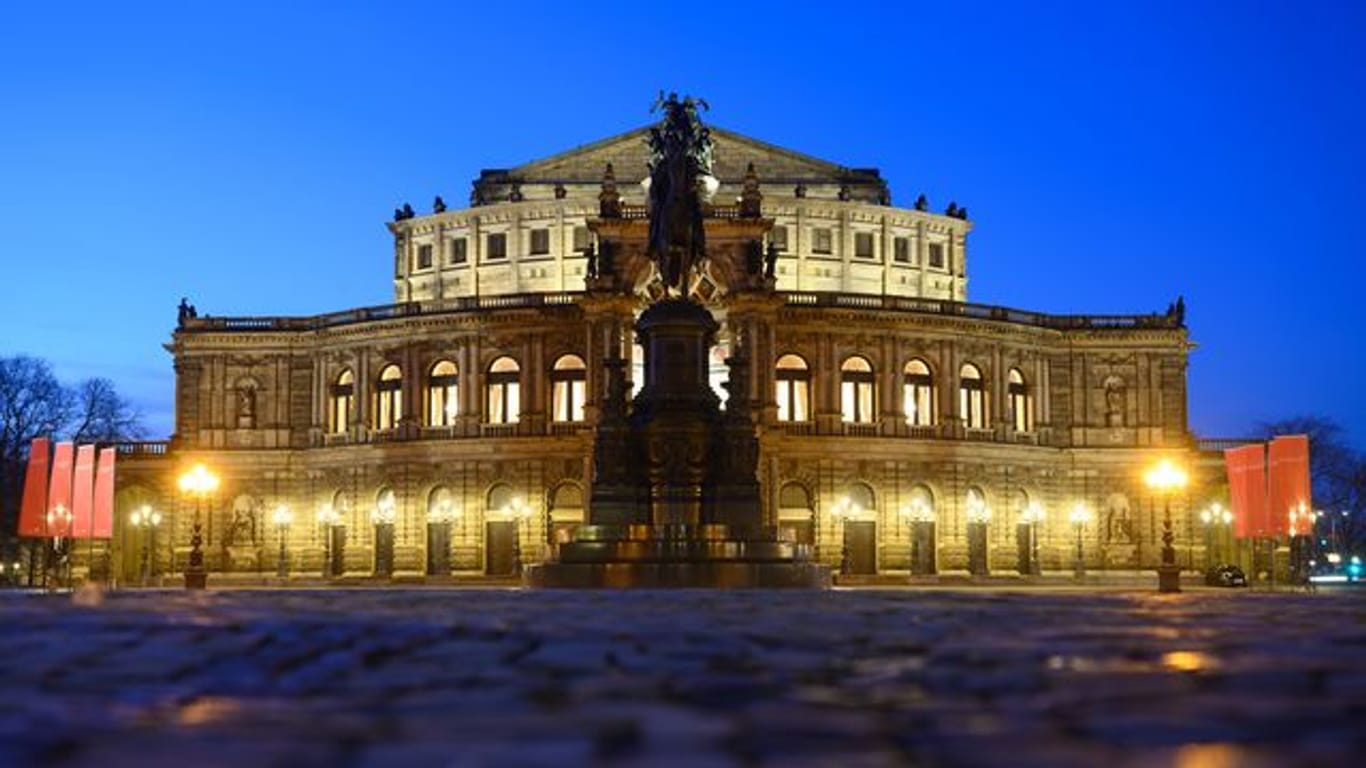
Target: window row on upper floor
[(858, 395)]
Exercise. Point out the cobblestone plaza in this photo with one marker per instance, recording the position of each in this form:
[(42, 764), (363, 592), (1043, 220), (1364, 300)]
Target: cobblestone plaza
[(839, 678)]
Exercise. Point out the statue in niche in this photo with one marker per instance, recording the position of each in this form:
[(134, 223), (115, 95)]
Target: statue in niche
[(591, 254), (246, 407), (1114, 402), (242, 528), (1119, 527), (771, 260)]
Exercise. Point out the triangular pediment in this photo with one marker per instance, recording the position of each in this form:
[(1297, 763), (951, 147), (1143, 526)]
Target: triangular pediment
[(731, 153)]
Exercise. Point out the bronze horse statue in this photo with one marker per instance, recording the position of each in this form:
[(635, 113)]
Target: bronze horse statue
[(680, 165)]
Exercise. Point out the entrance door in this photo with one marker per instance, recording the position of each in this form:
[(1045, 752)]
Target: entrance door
[(384, 550), (438, 549), (499, 542), (860, 546), (337, 551)]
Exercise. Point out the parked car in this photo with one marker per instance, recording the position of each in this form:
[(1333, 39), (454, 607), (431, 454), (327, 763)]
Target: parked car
[(1226, 575)]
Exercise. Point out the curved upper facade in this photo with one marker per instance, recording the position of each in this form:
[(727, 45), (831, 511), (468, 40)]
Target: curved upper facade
[(526, 230)]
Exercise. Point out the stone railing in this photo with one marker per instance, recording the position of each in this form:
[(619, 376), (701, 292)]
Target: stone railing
[(980, 311), (143, 448), (384, 312), (1212, 444)]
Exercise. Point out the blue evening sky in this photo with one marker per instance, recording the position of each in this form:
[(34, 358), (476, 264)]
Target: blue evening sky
[(1112, 155)]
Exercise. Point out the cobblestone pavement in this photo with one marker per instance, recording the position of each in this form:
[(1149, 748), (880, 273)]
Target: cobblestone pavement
[(842, 678)]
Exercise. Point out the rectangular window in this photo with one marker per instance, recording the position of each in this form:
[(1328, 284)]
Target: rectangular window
[(497, 247), (540, 242), (580, 239), (821, 240), (459, 251), (937, 255), (424, 257), (901, 250), (778, 237), (863, 245)]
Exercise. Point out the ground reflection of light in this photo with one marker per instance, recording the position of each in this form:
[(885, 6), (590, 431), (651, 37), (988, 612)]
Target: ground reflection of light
[(209, 710), (1210, 756), (1188, 661)]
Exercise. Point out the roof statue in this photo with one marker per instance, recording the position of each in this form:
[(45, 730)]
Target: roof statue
[(680, 184)]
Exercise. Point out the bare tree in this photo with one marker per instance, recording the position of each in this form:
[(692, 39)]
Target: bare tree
[(102, 415), (32, 403)]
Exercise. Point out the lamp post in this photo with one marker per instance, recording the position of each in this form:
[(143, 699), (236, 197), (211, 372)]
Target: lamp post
[(327, 522), (1165, 478), (197, 483), (979, 515), (518, 510), (145, 520), (1030, 517), (1212, 516), (282, 517), (1079, 517), (59, 530), (920, 515)]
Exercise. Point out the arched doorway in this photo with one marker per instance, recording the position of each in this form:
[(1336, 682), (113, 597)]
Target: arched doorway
[(502, 550), (796, 517), (441, 511), (566, 515), (857, 512)]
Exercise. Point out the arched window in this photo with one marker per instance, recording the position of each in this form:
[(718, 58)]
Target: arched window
[(443, 394), (388, 398), (794, 389), (856, 391), (504, 402), (386, 507), (567, 389), (971, 399), (919, 505), (339, 399), (976, 505), (1020, 403), (917, 394)]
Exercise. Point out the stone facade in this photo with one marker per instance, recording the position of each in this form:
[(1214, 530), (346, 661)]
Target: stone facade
[(463, 414)]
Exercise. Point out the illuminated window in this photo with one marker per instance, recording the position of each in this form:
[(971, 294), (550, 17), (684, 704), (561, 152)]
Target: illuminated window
[(971, 400), (443, 394), (497, 246), (388, 398), (424, 257), (821, 240), (504, 401), (1020, 403), (856, 391), (863, 245), (567, 389), (540, 242), (459, 250), (917, 394), (580, 239), (339, 399), (794, 389)]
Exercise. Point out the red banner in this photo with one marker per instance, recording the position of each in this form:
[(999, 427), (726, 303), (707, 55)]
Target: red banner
[(103, 524), (1247, 489), (35, 490), (59, 492), (83, 492), (1288, 465)]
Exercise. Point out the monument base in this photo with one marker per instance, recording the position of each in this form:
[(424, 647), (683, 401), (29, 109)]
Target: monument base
[(679, 556), (1168, 578)]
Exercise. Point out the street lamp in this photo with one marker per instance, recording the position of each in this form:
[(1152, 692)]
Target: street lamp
[(327, 521), (282, 517), (1030, 517), (920, 514), (1213, 515), (979, 515), (198, 483), (1165, 478), (518, 510), (144, 517), (1079, 517)]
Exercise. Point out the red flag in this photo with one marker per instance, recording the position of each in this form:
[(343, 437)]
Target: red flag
[(1288, 465), (103, 524), (59, 492), (1247, 489), (83, 492), (35, 490)]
